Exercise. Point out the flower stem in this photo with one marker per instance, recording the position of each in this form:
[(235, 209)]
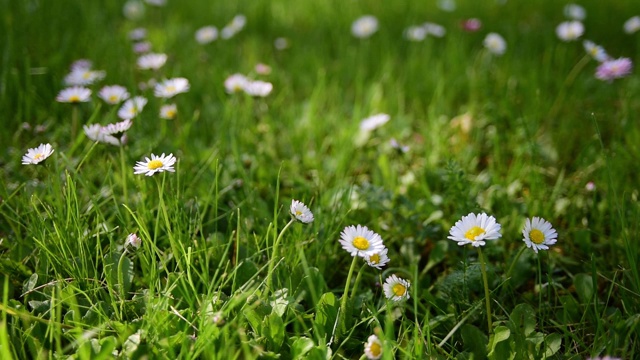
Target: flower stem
[(345, 296), (274, 253), (486, 288)]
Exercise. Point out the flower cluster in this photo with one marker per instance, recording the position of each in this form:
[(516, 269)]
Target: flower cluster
[(240, 83)]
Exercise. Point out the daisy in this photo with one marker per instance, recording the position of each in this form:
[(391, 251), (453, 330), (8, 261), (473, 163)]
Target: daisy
[(364, 26), (106, 134), (495, 43), (373, 122), (539, 234), (235, 83), (596, 51), (142, 47), (575, 12), (396, 145), (360, 241), (206, 34), (171, 87), (281, 43), (133, 10), (168, 111), (258, 88), (396, 289), (155, 164), (434, 29), (301, 212), (263, 69), (474, 229), (471, 25), (378, 260), (133, 240), (152, 61), (37, 155), (138, 34), (75, 94), (614, 69), (570, 30), (447, 5), (81, 64), (415, 33), (113, 94), (132, 107), (81, 77), (373, 348), (632, 25), (237, 24)]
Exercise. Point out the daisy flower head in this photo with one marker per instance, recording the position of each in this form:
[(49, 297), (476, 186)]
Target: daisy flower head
[(632, 25), (133, 240), (132, 107), (364, 26), (301, 212), (258, 88), (373, 122), (373, 348), (575, 12), (74, 94), (154, 165), (206, 35), (113, 94), (378, 260), (81, 64), (108, 134), (495, 43), (471, 25), (168, 112), (396, 289), (281, 43), (262, 69), (596, 51), (237, 23), (37, 155), (152, 61), (141, 47), (570, 30), (614, 69), (475, 229), (133, 9), (171, 87), (433, 29), (539, 234), (360, 241), (138, 34), (82, 77), (415, 33), (235, 83)]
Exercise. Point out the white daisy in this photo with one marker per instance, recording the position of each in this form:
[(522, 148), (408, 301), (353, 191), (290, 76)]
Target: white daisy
[(106, 134), (138, 34), (258, 88), (415, 33), (155, 164), (113, 94), (75, 94), (596, 51), (495, 43), (132, 107), (301, 212), (281, 43), (235, 83), (364, 26), (575, 12), (263, 69), (539, 234), (360, 241), (171, 87), (373, 122), (37, 155), (152, 61), (373, 348), (168, 111), (570, 30), (474, 229), (436, 30), (141, 47), (396, 289), (378, 260), (632, 25), (81, 64), (237, 24), (206, 34), (81, 77), (133, 240)]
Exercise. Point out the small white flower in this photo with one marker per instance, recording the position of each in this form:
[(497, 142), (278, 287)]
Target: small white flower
[(539, 234), (81, 64), (373, 348), (378, 260), (235, 83), (301, 212), (258, 88), (360, 241), (364, 26), (113, 94), (206, 34), (106, 134), (132, 107), (237, 24), (434, 29), (570, 30), (81, 77), (133, 9), (133, 240), (632, 25), (373, 122), (37, 155), (263, 69), (447, 5), (415, 33), (75, 94), (575, 12), (474, 229), (152, 61), (168, 111), (596, 51), (118, 127), (155, 164), (495, 43), (281, 43), (141, 47), (156, 2), (138, 34), (396, 289), (171, 87)]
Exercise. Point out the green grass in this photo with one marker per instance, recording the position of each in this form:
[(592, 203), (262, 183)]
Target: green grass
[(541, 128)]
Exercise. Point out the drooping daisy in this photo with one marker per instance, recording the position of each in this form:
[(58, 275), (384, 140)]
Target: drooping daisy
[(132, 107), (151, 61), (118, 127), (113, 94), (360, 241), (614, 69), (37, 155), (632, 25), (373, 122), (596, 51), (155, 164), (206, 35), (570, 30), (301, 212), (396, 289), (378, 260), (171, 87), (495, 43), (81, 77), (373, 348), (235, 83), (111, 134), (74, 94), (133, 240), (474, 229), (539, 234), (258, 88), (364, 26), (575, 12), (168, 111)]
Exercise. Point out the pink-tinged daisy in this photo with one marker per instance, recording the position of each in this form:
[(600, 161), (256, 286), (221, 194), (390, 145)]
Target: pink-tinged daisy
[(495, 43), (596, 51), (155, 165), (373, 348), (152, 61), (570, 30), (539, 234), (235, 83), (142, 47), (113, 94), (614, 69), (301, 212), (168, 112), (74, 94), (37, 155), (258, 88), (360, 241), (171, 87), (138, 34), (364, 26), (81, 77), (373, 122), (132, 107), (632, 25), (206, 35), (378, 260), (471, 25), (81, 64), (263, 69), (133, 241), (475, 229), (396, 289)]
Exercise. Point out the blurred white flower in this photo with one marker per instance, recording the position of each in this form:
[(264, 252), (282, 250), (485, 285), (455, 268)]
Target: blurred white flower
[(133, 9), (133, 240), (152, 61), (632, 25), (37, 155), (169, 111), (81, 77), (141, 47), (575, 12), (237, 24), (138, 34), (570, 30), (373, 122), (81, 64), (447, 5), (281, 43), (258, 88), (434, 29), (415, 33), (156, 2), (263, 69), (235, 83), (596, 51), (495, 43), (75, 94), (113, 94), (171, 87), (206, 35), (364, 26), (132, 107)]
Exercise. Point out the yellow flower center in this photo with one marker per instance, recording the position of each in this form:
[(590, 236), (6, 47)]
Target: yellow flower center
[(38, 156), (536, 236), (113, 98), (375, 349), (171, 88), (399, 289), (298, 212), (154, 164), (374, 259), (86, 75), (361, 243), (74, 98), (473, 232)]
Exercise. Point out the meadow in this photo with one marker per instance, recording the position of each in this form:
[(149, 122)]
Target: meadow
[(214, 205)]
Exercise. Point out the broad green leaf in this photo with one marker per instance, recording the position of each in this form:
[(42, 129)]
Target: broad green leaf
[(326, 313), (300, 346), (501, 333), (474, 341), (119, 268), (524, 318), (584, 287), (255, 319), (552, 344), (273, 330)]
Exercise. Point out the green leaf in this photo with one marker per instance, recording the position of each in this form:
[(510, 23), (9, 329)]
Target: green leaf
[(281, 302), (524, 318), (552, 344), (501, 333), (119, 269), (30, 283), (584, 287), (319, 352), (273, 329), (255, 319), (474, 341), (300, 346), (326, 313)]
